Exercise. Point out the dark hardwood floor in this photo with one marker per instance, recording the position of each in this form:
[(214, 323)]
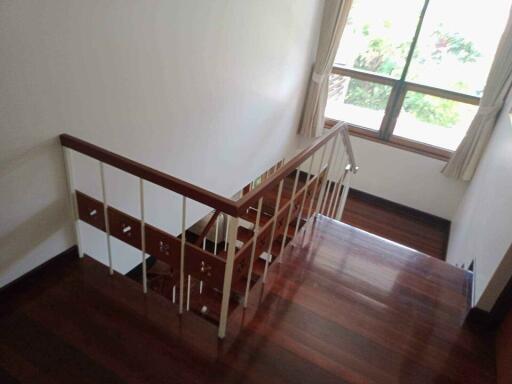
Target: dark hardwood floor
[(342, 307), (412, 228)]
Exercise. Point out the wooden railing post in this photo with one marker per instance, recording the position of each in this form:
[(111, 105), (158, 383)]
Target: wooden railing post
[(228, 276)]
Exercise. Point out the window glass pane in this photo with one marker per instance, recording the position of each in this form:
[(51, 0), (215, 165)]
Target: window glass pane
[(434, 120), (378, 35), (457, 44), (356, 101)]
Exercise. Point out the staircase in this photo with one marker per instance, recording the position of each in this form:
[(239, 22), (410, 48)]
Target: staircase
[(213, 281), (287, 293), (339, 306)]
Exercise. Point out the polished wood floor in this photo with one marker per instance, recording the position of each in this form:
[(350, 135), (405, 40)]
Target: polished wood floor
[(342, 307), (414, 229)]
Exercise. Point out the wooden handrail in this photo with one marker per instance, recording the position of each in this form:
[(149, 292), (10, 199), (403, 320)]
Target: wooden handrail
[(211, 199), (245, 201), (150, 174)]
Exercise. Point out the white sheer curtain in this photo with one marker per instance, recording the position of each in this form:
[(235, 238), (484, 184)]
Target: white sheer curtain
[(333, 22), (465, 160)]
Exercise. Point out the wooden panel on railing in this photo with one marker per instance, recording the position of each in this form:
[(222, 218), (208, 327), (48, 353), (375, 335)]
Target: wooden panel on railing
[(200, 264), (90, 210), (124, 227), (204, 266), (163, 246)]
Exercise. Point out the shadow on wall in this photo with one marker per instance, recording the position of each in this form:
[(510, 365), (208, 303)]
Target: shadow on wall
[(11, 164), (19, 242), (34, 206)]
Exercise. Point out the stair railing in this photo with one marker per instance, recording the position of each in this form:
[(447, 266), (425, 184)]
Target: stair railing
[(316, 189)]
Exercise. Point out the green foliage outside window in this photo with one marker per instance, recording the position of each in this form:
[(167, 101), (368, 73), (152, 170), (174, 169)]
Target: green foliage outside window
[(379, 58)]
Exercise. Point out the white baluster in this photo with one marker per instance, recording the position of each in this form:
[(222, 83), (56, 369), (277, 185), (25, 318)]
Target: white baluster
[(288, 218), (182, 249), (339, 184), (143, 237), (227, 231), (306, 187), (272, 234), (317, 181), (336, 190), (188, 293), (253, 250), (105, 211), (228, 276), (325, 183), (68, 164), (216, 235), (344, 195)]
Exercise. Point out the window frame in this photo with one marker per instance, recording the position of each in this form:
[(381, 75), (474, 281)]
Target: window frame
[(399, 88)]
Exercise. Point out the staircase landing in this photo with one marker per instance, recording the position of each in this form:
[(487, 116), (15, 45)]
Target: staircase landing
[(343, 307)]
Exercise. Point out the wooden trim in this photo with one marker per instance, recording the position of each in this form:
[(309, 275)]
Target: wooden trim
[(479, 319), (23, 279), (150, 174), (503, 305), (363, 75), (404, 209), (421, 148), (396, 142), (443, 93), (409, 85)]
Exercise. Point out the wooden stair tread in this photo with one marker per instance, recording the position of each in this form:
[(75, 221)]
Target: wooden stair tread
[(250, 216)]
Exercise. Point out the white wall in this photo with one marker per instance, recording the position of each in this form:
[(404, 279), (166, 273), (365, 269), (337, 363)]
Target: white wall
[(195, 88), (406, 178), (482, 227)]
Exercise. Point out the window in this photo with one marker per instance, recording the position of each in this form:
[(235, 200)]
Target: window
[(412, 72)]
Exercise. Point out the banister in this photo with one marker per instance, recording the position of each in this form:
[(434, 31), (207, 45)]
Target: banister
[(245, 201), (211, 199), (150, 174)]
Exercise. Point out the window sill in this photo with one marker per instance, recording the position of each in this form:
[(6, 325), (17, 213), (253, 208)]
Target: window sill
[(397, 142)]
